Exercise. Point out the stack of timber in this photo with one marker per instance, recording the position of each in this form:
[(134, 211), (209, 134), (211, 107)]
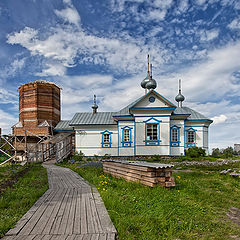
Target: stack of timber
[(149, 174)]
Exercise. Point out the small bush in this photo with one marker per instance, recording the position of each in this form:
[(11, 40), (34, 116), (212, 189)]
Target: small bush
[(78, 156), (195, 152)]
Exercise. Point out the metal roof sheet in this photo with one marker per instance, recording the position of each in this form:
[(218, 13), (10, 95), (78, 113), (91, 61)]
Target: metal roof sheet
[(88, 118), (63, 125), (142, 164), (193, 114)]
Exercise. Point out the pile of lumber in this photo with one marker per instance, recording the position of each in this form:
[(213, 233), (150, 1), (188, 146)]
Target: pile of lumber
[(149, 174)]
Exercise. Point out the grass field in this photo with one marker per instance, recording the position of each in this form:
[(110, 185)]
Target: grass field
[(195, 209), (15, 200), (2, 159)]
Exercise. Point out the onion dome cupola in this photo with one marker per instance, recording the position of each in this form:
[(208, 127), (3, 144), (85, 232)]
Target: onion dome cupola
[(151, 84), (94, 106), (179, 98), (147, 79)]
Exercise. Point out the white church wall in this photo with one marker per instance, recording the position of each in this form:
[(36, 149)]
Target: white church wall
[(146, 103), (88, 140), (178, 150), (163, 148), (199, 127), (124, 149)]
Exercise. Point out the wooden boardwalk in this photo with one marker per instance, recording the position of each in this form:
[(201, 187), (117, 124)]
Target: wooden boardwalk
[(69, 210)]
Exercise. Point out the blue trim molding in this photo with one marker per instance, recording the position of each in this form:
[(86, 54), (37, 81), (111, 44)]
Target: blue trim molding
[(127, 143), (191, 144), (152, 120), (175, 143), (107, 145)]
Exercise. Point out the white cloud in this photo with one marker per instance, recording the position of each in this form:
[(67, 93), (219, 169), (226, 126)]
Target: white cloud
[(219, 119), (235, 24), (200, 2), (208, 35), (25, 37), (64, 45), (69, 14), (6, 121), (53, 69), (12, 69)]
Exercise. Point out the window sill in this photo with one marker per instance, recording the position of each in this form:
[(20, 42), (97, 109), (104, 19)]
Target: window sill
[(152, 142)]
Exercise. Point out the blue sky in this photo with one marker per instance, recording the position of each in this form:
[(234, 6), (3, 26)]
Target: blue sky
[(99, 47)]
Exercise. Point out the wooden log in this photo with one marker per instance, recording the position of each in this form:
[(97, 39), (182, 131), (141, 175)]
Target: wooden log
[(128, 178), (137, 176), (130, 166), (130, 170)]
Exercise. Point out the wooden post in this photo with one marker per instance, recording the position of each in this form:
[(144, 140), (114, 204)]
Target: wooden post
[(25, 138), (15, 143)]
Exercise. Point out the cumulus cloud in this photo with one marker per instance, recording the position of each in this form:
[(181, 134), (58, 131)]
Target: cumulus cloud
[(219, 119), (235, 24), (12, 69), (6, 121), (69, 14), (209, 34), (64, 45)]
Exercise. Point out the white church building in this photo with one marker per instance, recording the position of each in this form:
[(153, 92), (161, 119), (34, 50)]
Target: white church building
[(151, 125)]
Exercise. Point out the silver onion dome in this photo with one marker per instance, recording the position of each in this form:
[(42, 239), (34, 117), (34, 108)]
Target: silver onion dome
[(179, 98), (144, 82), (94, 106), (151, 84)]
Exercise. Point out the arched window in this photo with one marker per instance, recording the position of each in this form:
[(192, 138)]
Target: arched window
[(152, 132), (106, 139), (175, 136), (126, 136), (191, 137)]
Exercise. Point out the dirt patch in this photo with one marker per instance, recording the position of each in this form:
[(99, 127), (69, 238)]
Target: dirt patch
[(13, 179), (234, 215)]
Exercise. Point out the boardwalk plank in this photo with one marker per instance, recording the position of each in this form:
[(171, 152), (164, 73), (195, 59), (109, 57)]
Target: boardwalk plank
[(111, 236), (69, 210), (102, 236), (58, 218), (77, 219), (70, 223), (30, 213), (42, 222), (52, 218), (83, 212), (46, 237), (34, 219), (64, 221), (90, 224), (105, 220)]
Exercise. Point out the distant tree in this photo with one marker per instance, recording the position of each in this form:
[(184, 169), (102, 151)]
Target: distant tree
[(229, 152), (195, 152), (216, 152)]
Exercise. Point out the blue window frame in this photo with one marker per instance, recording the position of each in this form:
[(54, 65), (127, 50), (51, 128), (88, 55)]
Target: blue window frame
[(191, 137), (126, 136), (106, 139), (175, 136), (152, 132)]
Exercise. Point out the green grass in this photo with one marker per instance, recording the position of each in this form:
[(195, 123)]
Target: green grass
[(195, 209), (2, 159), (18, 199)]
